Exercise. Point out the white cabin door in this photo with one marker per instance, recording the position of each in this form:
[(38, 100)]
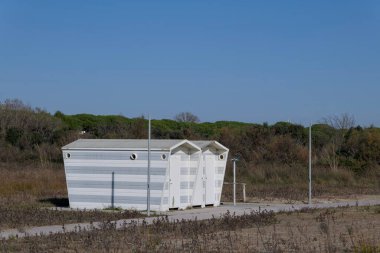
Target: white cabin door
[(174, 181), (210, 181)]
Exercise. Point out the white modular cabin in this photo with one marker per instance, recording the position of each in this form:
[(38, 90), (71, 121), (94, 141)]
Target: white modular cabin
[(102, 173), (211, 173)]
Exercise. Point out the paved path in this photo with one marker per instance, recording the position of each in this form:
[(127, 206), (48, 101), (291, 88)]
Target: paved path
[(191, 214)]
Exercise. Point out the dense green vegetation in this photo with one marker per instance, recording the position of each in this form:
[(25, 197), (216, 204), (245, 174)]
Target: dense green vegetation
[(269, 153)]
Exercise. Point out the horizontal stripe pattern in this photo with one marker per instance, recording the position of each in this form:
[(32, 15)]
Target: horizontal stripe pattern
[(116, 192), (114, 155), (187, 185), (116, 170), (117, 177), (116, 163), (89, 177), (116, 199), (189, 171), (114, 185), (185, 199), (219, 170), (108, 176), (90, 205)]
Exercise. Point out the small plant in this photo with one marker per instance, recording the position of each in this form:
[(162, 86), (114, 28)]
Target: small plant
[(113, 208), (366, 248)]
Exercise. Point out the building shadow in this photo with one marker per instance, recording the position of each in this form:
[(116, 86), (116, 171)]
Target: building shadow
[(57, 202)]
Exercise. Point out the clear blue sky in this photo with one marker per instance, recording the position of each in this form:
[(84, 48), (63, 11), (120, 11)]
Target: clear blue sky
[(252, 61)]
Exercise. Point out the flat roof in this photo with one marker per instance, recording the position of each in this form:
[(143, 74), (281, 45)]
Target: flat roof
[(141, 144), (122, 144)]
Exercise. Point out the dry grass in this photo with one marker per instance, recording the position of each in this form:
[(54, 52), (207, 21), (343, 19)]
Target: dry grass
[(332, 230), (27, 191), (21, 217), (268, 181), (354, 229), (31, 182)]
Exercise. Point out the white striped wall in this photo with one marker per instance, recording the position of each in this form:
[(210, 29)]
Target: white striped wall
[(188, 174), (98, 179), (216, 186), (220, 170)]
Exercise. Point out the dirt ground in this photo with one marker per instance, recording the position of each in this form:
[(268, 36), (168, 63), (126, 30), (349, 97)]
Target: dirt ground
[(332, 230), (344, 229), (328, 231)]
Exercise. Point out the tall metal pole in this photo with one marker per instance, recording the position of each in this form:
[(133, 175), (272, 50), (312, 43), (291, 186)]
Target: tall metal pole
[(310, 165), (234, 181), (148, 186)]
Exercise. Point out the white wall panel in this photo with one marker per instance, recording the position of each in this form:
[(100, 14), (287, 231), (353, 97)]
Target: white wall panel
[(108, 177)]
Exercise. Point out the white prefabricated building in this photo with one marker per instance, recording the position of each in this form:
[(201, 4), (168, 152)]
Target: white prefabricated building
[(103, 173)]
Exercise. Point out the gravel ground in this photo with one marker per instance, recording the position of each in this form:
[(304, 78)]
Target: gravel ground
[(192, 214)]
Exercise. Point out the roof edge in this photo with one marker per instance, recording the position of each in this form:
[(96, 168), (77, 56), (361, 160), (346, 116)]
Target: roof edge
[(114, 149), (221, 146), (188, 142)]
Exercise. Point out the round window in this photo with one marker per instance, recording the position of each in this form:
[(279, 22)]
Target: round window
[(133, 156), (163, 157), (221, 157), (68, 155)]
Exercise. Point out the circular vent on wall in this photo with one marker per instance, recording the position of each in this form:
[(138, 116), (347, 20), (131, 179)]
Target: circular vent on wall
[(133, 156)]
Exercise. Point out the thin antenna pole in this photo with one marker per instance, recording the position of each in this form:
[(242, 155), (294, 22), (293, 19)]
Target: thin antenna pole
[(310, 164), (148, 186), (234, 183)]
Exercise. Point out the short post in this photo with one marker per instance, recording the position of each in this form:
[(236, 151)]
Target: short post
[(113, 191), (234, 183), (243, 192)]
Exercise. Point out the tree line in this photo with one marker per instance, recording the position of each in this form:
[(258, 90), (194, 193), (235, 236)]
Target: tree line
[(32, 134)]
